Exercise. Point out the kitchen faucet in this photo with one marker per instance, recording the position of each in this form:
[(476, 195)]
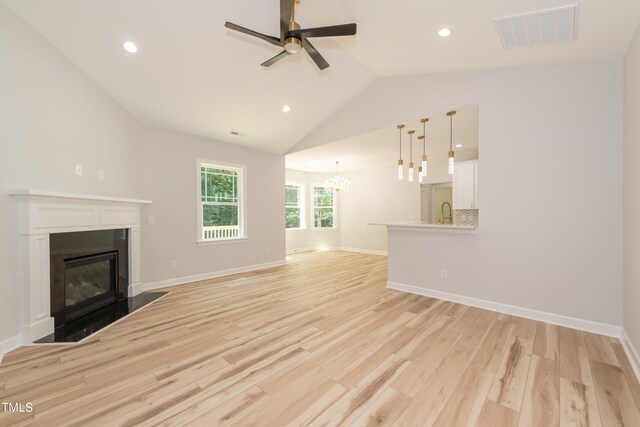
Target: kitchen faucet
[(444, 218)]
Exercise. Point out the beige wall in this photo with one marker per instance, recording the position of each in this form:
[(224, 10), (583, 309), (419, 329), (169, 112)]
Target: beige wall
[(51, 117), (539, 126), (170, 181), (632, 192)]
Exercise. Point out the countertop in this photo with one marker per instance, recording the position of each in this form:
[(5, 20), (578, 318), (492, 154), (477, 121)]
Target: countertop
[(424, 226)]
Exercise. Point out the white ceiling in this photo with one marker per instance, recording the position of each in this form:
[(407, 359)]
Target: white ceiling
[(193, 75), (381, 147)]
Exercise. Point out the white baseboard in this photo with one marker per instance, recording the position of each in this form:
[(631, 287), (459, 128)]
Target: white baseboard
[(556, 319), (337, 248), (363, 251), (301, 250), (212, 275), (632, 353), (9, 344)]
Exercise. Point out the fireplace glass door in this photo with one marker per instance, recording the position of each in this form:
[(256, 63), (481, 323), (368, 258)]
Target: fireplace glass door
[(90, 282)]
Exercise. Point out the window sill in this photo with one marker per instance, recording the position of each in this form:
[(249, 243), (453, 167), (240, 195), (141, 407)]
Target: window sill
[(221, 242), (324, 228), (296, 229)]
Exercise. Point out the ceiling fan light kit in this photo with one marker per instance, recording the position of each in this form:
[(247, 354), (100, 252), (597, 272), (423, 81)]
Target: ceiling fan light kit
[(293, 38)]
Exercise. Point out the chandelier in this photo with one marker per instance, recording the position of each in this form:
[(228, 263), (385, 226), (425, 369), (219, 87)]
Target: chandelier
[(337, 182)]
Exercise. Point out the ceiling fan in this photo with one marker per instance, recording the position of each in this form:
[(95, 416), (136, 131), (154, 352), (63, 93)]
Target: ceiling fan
[(293, 38)]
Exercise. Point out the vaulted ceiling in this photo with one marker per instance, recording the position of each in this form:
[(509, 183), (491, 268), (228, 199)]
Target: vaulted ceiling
[(193, 75)]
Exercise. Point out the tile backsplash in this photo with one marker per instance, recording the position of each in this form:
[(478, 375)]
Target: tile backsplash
[(465, 217)]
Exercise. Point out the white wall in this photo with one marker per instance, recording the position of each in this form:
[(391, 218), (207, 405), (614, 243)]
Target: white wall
[(312, 238), (51, 117), (632, 192), (551, 139), (170, 181)]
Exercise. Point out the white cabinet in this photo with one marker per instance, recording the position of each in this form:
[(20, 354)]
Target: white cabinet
[(465, 185)]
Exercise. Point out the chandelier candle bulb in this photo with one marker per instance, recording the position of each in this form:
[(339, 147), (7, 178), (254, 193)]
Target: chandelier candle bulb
[(400, 162)]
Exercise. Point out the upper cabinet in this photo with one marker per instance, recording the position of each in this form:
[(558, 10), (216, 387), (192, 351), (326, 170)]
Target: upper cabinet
[(465, 185)]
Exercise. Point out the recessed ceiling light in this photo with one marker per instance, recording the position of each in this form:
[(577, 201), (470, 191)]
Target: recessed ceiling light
[(444, 32), (286, 108), (458, 145), (130, 47)]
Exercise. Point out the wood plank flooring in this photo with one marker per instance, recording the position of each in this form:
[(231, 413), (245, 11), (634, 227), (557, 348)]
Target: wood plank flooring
[(321, 342)]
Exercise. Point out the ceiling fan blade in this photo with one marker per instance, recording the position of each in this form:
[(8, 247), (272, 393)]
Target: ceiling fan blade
[(286, 11), (332, 31), (273, 40), (275, 59), (314, 54)]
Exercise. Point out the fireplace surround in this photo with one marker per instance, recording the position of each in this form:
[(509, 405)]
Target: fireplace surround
[(43, 214)]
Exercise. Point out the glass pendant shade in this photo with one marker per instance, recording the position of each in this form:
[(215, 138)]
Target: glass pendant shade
[(410, 172), (400, 170), (420, 174), (451, 163), (424, 166)]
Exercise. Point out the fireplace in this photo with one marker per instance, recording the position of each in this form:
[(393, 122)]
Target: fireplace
[(89, 271), (44, 217)]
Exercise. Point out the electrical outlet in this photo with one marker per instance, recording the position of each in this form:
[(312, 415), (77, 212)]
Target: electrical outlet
[(79, 170), (174, 264), (100, 174), (443, 274), (152, 219)]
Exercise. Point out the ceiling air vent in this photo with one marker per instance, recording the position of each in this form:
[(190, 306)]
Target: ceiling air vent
[(557, 25)]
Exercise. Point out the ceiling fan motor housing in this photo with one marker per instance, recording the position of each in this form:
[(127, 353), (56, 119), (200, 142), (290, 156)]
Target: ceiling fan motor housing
[(293, 44)]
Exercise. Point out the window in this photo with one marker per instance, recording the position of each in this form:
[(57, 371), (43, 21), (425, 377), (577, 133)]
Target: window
[(221, 213), (323, 207), (294, 202)]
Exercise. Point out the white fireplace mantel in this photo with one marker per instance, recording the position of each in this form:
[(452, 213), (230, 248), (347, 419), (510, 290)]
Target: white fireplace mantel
[(43, 213)]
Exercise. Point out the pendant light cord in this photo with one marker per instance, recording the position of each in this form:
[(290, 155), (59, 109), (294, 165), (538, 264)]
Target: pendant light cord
[(424, 138)]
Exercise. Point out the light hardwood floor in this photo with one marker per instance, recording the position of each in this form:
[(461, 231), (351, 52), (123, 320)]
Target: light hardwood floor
[(321, 341)]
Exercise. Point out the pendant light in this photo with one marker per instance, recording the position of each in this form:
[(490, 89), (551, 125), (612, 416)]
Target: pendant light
[(424, 146), (451, 161), (423, 165), (400, 164), (411, 132)]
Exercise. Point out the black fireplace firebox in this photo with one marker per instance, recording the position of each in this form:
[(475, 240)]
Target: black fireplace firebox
[(89, 271), (90, 283)]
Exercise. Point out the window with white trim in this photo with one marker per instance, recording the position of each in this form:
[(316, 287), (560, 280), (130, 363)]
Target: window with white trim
[(221, 207), (294, 206), (324, 207)]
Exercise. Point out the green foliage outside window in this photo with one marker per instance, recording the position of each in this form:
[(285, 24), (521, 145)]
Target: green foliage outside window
[(323, 207), (220, 200), (292, 200)]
